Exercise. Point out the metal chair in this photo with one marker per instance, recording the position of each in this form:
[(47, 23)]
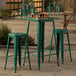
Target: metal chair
[(53, 7), (26, 10)]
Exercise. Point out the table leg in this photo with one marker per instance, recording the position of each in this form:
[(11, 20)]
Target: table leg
[(19, 50), (62, 46), (56, 43), (39, 41), (42, 40)]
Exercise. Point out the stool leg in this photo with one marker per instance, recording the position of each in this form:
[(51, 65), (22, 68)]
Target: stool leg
[(28, 56), (7, 53), (69, 47), (15, 53), (62, 46), (42, 40), (24, 54), (49, 9), (57, 47), (58, 10), (55, 43), (19, 50), (26, 47), (50, 46)]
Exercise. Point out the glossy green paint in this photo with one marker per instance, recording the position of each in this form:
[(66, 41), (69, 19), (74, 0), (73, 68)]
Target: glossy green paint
[(17, 48)]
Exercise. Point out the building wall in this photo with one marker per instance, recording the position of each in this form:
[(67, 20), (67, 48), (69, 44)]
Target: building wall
[(38, 5), (75, 6), (2, 4), (69, 5)]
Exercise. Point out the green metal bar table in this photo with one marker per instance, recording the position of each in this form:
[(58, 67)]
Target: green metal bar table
[(40, 35)]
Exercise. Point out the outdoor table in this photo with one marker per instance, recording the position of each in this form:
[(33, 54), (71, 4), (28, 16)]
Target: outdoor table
[(67, 21), (40, 35)]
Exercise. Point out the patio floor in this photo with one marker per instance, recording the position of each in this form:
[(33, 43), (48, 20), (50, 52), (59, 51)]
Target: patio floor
[(47, 69)]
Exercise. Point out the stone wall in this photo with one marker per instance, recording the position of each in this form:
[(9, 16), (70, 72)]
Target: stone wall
[(75, 6), (2, 4), (69, 5)]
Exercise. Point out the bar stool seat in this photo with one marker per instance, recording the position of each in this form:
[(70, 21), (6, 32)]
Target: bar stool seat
[(17, 48), (60, 42), (17, 34)]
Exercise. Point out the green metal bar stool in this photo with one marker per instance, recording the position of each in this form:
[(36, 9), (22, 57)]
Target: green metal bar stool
[(60, 40), (53, 7), (17, 48)]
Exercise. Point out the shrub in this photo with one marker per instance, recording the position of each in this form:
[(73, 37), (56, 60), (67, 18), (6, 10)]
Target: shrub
[(5, 14), (4, 31), (31, 41)]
